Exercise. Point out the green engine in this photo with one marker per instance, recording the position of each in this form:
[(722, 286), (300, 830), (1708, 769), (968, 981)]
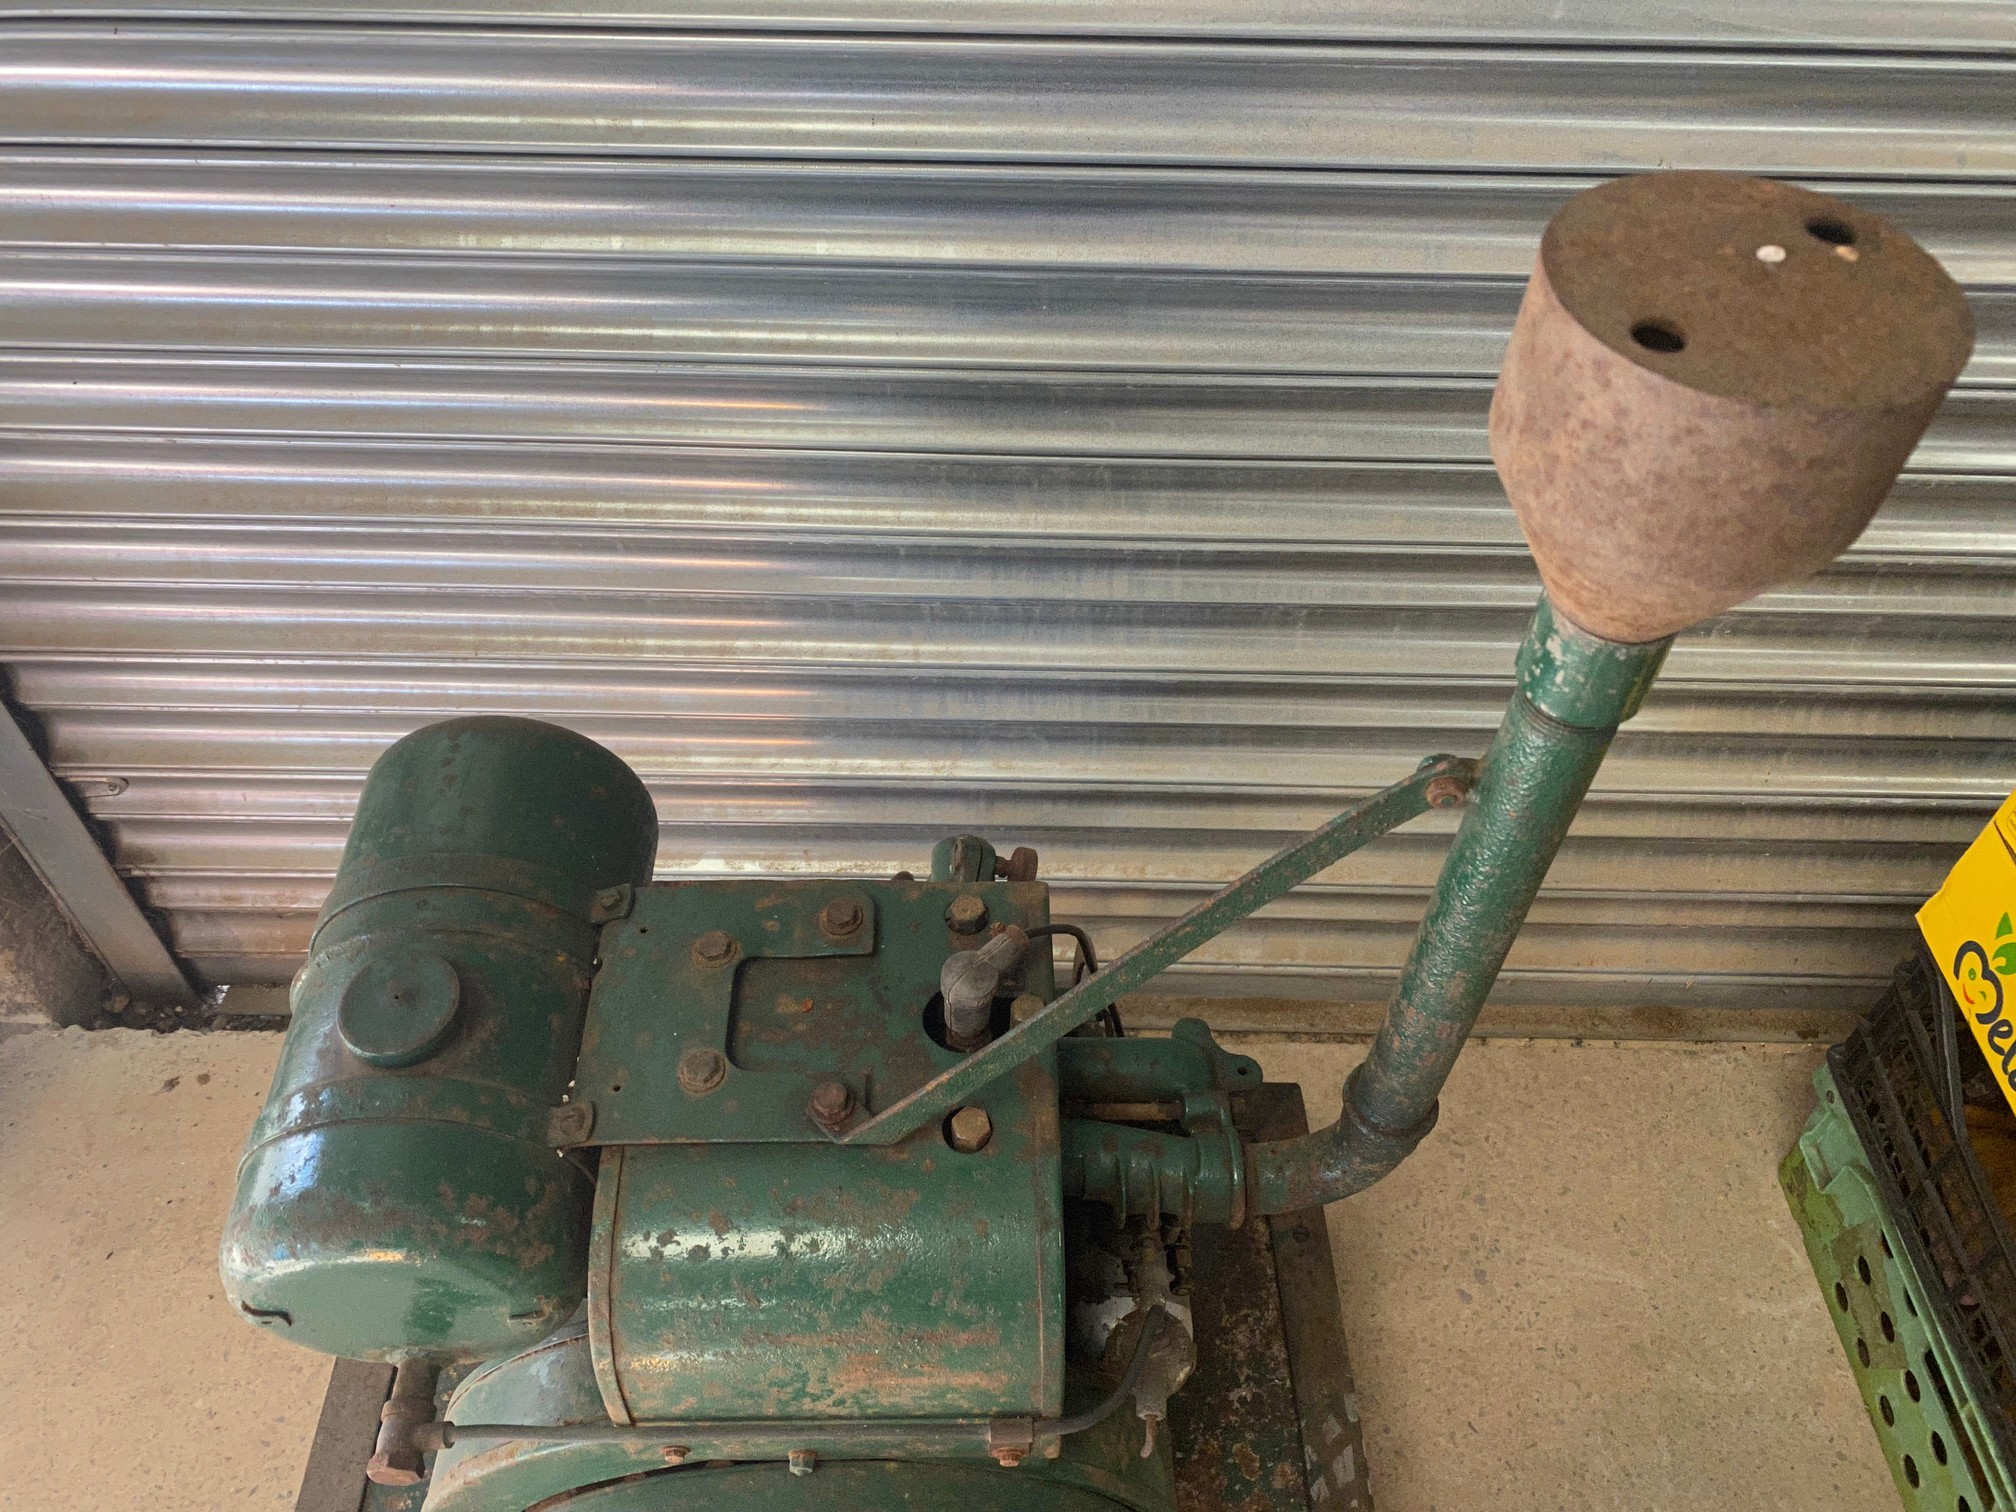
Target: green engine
[(691, 1195), (537, 1112)]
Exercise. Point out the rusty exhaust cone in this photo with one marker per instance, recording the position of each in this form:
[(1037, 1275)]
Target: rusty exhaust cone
[(1712, 383)]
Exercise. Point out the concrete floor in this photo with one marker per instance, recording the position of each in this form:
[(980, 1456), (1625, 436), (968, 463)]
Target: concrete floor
[(1583, 1293)]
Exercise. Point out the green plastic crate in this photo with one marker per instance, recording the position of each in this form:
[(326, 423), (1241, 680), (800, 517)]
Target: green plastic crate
[(1941, 1443)]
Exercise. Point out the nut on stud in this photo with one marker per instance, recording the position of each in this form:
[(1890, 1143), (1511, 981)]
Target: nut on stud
[(1446, 792), (842, 919), (968, 1130), (701, 1070), (967, 914), (831, 1105), (715, 948)]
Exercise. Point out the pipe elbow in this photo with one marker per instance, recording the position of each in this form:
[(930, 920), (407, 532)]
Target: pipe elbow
[(1325, 1165)]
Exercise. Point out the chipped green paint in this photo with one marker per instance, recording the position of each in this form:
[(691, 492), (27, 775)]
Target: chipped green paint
[(554, 1383), (867, 1486), (1134, 968), (789, 1006), (810, 1281), (391, 1210), (1196, 1175), (1582, 679), (1574, 690)]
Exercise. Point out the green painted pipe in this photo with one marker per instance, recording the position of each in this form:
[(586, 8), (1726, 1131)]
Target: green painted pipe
[(1574, 689)]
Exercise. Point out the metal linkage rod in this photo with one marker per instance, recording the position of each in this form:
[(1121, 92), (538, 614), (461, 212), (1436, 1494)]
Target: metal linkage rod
[(1439, 782)]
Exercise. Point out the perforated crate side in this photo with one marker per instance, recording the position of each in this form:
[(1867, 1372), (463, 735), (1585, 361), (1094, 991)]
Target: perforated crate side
[(1890, 1078)]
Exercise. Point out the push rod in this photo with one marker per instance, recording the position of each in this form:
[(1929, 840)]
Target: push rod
[(1574, 689), (1440, 781)]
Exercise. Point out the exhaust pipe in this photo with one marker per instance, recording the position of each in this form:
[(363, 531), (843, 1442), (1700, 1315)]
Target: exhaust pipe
[(1712, 383)]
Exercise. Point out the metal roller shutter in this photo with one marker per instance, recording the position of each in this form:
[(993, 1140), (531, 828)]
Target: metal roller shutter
[(882, 418)]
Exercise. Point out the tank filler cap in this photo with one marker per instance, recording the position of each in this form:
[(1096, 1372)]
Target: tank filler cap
[(399, 1008)]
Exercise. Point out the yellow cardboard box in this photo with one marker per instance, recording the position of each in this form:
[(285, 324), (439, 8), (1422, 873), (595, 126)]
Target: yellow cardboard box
[(1967, 924)]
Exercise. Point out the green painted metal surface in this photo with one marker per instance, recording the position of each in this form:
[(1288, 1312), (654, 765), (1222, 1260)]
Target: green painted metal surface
[(786, 1250), (1574, 689), (1273, 878), (789, 1005), (1141, 1069), (554, 1382), (888, 1486), (1195, 1175), (769, 1280), (408, 1202), (1582, 679), (963, 858), (1940, 1450)]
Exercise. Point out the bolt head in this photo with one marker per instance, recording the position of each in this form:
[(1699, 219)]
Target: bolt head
[(803, 1461), (571, 1122), (401, 1467), (1007, 1459), (701, 1070), (842, 918), (675, 1454), (831, 1105), (715, 948), (1447, 792), (966, 914), (968, 1130), (1025, 1007)]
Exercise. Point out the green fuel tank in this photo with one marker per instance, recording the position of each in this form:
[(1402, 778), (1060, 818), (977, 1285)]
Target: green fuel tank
[(398, 1195)]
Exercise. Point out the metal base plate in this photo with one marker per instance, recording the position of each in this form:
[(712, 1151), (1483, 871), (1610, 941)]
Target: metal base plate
[(1269, 1423)]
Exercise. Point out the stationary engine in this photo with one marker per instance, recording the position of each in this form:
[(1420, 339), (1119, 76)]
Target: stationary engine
[(756, 1192)]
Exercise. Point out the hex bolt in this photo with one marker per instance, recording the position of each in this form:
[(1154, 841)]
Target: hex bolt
[(1006, 1457), (803, 1461), (675, 1454), (396, 1459), (1447, 792), (842, 918), (570, 1123), (967, 914), (701, 1070), (1024, 1008), (831, 1105), (968, 1130), (715, 948)]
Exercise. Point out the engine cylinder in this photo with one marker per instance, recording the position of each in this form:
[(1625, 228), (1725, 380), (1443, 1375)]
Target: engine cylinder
[(399, 1195)]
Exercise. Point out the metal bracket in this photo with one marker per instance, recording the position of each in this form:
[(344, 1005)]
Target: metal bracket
[(61, 848), (1438, 782)]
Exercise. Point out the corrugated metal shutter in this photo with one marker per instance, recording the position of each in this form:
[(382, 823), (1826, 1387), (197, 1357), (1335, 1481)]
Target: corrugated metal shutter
[(875, 419)]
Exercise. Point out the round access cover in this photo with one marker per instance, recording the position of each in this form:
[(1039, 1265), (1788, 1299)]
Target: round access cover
[(399, 1008)]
